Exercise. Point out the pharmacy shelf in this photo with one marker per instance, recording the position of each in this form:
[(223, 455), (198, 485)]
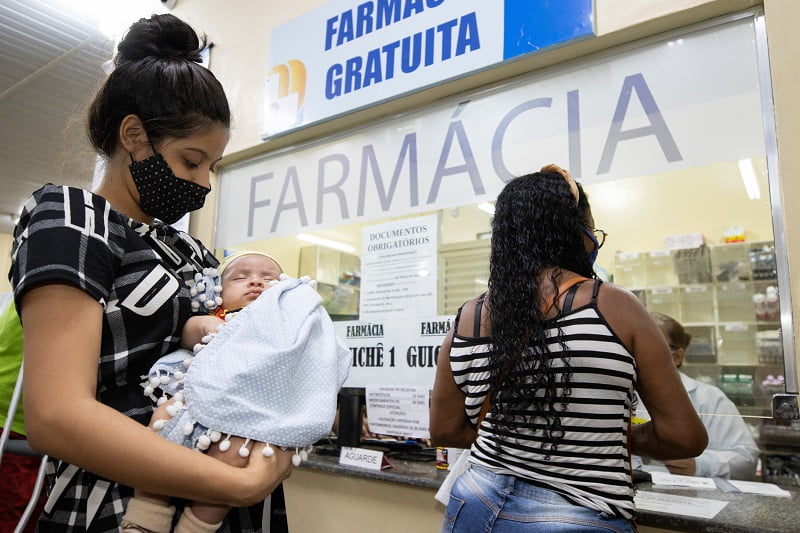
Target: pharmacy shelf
[(710, 290)]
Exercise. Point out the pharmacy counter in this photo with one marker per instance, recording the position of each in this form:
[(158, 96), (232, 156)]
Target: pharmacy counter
[(321, 495), (744, 513)]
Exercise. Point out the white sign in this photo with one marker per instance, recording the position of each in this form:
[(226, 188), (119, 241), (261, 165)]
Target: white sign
[(362, 458), (680, 505), (394, 352), (348, 54), (398, 269), (671, 105), (398, 411)]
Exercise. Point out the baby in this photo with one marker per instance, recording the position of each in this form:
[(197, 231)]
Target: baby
[(271, 374)]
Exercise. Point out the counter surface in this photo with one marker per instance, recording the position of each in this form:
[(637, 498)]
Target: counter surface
[(745, 513), (417, 473)]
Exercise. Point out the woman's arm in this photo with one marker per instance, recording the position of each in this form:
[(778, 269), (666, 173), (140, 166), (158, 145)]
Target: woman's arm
[(62, 331), (449, 423), (674, 431), (448, 420)]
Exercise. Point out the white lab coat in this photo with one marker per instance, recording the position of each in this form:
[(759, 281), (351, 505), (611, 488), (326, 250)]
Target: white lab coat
[(731, 452)]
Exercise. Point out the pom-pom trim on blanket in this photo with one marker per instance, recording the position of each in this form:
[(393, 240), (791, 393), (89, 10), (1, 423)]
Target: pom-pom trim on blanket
[(206, 292)]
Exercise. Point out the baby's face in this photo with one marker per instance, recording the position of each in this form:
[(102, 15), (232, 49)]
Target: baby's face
[(246, 278)]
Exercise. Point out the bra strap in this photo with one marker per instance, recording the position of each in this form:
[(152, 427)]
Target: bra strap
[(569, 298), (561, 288), (458, 318), (596, 290), (476, 327)]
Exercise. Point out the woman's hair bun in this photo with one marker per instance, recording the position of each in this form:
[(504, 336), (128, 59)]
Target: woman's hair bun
[(160, 36)]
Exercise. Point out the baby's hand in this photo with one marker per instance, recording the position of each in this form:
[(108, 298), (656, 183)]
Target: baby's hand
[(310, 282), (305, 279), (199, 329)]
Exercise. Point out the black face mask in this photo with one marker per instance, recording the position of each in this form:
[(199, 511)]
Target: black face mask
[(162, 194)]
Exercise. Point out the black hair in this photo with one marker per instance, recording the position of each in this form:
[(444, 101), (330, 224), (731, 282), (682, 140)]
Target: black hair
[(157, 76), (537, 224), (677, 337)]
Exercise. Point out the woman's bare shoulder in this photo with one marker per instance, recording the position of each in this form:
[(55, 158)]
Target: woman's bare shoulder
[(466, 322), (618, 293), (623, 310)]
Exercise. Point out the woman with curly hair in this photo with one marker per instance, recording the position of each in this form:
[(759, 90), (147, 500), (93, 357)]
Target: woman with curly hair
[(538, 374)]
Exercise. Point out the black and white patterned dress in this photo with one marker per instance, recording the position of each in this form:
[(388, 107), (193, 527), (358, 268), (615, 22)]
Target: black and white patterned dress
[(138, 273)]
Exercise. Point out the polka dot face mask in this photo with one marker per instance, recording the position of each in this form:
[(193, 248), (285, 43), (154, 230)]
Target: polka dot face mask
[(162, 194)]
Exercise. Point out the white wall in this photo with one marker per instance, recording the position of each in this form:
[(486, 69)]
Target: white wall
[(5, 261)]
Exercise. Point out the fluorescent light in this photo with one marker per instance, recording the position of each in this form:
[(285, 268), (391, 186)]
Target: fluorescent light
[(112, 19), (486, 206), (749, 180), (336, 245)]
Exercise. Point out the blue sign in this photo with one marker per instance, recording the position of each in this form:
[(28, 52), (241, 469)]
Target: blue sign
[(530, 26)]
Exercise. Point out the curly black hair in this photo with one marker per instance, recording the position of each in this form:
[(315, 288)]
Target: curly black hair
[(537, 225)]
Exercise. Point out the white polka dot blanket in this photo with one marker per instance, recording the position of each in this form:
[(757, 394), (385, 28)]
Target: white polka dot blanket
[(271, 374)]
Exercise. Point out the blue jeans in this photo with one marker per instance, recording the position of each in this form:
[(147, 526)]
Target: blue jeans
[(482, 501)]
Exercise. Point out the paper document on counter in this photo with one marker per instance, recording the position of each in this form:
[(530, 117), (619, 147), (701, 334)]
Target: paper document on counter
[(674, 480), (754, 487), (680, 505)]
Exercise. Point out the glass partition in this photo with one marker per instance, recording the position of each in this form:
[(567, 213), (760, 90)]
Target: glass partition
[(687, 209)]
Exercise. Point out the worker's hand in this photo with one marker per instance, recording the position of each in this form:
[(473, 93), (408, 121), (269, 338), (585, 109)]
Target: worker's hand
[(682, 467), (365, 432)]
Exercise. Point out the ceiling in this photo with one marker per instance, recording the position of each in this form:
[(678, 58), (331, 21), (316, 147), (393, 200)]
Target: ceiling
[(51, 59)]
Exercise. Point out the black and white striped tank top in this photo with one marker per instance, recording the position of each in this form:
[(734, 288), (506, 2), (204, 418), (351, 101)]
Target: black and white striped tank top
[(591, 464)]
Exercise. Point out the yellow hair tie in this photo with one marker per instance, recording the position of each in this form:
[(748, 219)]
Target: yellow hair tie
[(573, 187)]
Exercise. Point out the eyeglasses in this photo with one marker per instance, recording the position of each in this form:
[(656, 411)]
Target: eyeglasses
[(600, 235)]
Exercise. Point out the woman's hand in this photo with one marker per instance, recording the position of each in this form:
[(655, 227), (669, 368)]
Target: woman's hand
[(261, 476)]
